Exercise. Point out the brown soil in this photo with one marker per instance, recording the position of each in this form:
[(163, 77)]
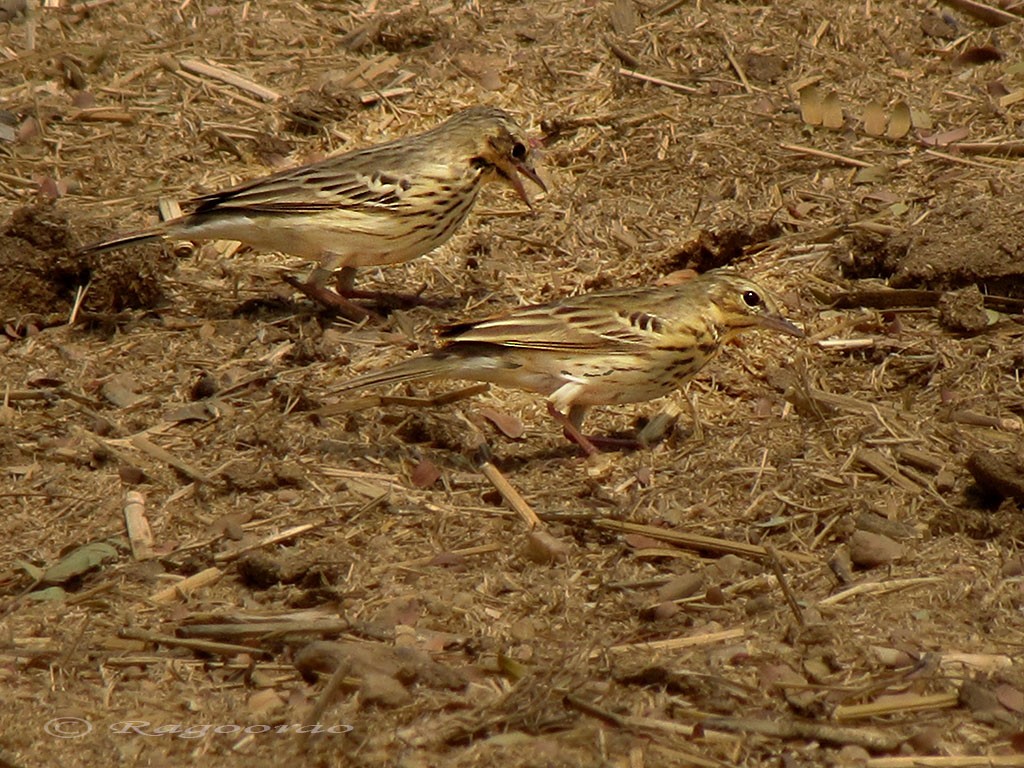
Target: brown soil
[(818, 564)]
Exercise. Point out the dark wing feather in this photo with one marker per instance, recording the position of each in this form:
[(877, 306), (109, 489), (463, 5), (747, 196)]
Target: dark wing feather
[(602, 322), (353, 180)]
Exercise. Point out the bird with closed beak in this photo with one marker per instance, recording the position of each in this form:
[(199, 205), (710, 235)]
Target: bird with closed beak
[(612, 347)]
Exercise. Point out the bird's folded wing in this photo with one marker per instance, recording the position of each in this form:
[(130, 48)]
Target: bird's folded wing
[(609, 329), (309, 189)]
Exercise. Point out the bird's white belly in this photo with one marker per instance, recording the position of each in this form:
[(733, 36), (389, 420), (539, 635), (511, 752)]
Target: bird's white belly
[(356, 243), (341, 237)]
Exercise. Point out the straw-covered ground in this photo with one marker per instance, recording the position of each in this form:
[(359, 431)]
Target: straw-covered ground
[(818, 560)]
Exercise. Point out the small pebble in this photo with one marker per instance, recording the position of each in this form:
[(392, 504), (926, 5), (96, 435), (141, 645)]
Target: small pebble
[(543, 548), (685, 585), (870, 550)]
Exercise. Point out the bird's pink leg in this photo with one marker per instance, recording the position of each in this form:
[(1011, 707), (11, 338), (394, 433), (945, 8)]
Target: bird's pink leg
[(331, 300), (345, 286), (591, 444), (572, 431)]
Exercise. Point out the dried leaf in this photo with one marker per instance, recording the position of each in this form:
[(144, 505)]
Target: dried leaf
[(1010, 697), (79, 561), (190, 412), (772, 675), (978, 697), (447, 560), (511, 668), (435, 642), (28, 129), (34, 571), (874, 119), (623, 17), (979, 54), (659, 425), (811, 105), (884, 196), (265, 702), (802, 209), (892, 657), (677, 277), (996, 89), (507, 424), (366, 488), (425, 474), (921, 119), (48, 187), (491, 80), (640, 541), (644, 478), (486, 70), (873, 174), (230, 525), (946, 137), (934, 25), (899, 122), (10, 9), (120, 390), (405, 611), (48, 595), (83, 100), (832, 112)]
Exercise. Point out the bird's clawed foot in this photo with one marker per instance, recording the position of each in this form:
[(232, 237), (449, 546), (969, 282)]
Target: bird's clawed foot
[(340, 300), (592, 445), (331, 300), (387, 302), (345, 280)]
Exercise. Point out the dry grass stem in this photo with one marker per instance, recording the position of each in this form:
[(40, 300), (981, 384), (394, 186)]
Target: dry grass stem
[(181, 590)]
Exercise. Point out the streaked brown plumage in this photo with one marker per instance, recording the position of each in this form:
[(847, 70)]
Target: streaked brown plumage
[(605, 348), (384, 204)]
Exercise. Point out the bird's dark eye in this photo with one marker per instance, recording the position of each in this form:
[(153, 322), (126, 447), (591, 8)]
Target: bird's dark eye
[(752, 299), (519, 151)]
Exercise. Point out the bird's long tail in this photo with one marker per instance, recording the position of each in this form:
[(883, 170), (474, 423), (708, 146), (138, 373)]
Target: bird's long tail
[(416, 369), (123, 241)]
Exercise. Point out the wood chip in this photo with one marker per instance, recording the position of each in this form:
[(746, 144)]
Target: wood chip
[(994, 17), (139, 534), (216, 72), (508, 492), (183, 589), (880, 465)]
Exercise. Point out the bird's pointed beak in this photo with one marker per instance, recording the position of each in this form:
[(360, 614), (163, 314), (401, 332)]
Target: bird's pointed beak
[(511, 168), (780, 324)]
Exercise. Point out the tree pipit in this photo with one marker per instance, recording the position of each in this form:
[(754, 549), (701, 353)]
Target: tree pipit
[(605, 348), (385, 204)]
